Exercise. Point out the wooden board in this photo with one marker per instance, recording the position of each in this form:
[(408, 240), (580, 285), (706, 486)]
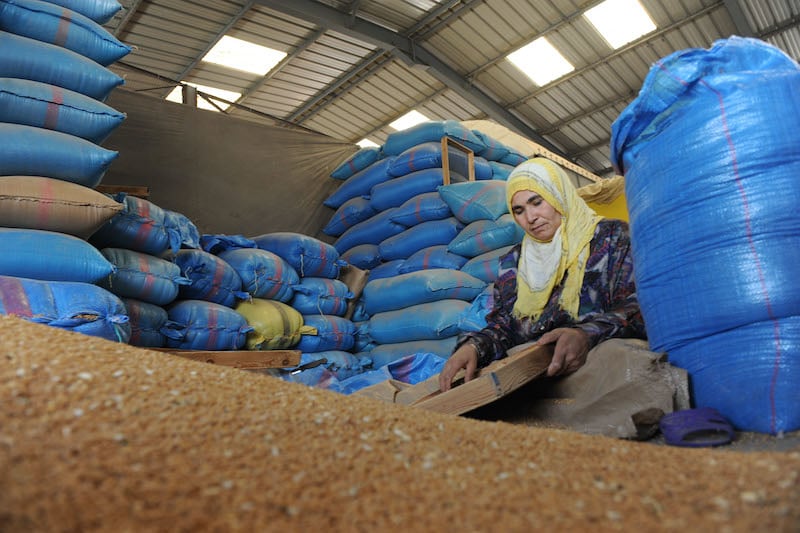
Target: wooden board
[(247, 359), (495, 381), (133, 190)]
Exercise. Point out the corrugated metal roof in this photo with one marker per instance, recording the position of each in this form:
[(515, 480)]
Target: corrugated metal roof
[(354, 66)]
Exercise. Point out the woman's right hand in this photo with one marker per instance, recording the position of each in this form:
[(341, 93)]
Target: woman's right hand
[(466, 357)]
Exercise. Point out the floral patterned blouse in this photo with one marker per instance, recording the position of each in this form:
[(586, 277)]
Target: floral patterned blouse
[(608, 304)]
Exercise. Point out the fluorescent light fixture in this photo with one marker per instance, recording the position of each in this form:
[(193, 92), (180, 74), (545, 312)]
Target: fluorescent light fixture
[(412, 118), (366, 143), (540, 61), (176, 95), (243, 55), (620, 21)]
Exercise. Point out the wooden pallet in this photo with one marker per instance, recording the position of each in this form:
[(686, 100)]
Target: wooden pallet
[(245, 359)]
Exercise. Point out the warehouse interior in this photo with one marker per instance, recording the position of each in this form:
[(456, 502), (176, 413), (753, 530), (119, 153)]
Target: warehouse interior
[(108, 428)]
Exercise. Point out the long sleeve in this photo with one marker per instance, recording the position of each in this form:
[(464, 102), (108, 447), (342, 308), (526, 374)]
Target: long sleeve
[(608, 304)]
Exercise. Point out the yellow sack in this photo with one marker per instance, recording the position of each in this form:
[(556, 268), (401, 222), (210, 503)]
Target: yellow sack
[(607, 197), (277, 326)]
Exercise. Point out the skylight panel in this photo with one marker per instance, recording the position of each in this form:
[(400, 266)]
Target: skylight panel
[(620, 21), (540, 61), (176, 95), (243, 55), (412, 118), (366, 143)]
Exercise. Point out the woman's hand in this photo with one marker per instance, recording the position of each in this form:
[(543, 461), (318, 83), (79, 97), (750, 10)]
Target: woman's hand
[(465, 357), (572, 346)]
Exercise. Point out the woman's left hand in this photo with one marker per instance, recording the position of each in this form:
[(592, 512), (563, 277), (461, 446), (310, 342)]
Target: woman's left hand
[(572, 346)]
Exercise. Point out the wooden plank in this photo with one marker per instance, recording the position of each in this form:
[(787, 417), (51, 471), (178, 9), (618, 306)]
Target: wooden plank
[(495, 381), (448, 142), (355, 279), (247, 359), (133, 190)]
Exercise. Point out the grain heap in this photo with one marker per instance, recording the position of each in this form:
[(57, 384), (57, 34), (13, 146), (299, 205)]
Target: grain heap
[(99, 436)]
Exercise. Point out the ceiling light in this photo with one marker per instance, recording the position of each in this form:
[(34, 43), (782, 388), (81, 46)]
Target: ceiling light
[(243, 55), (176, 95), (540, 61), (620, 21), (412, 118)]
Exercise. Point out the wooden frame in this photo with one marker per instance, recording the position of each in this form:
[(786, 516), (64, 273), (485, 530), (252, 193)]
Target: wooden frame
[(447, 142)]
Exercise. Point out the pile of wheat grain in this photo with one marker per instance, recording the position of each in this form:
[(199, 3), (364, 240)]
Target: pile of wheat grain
[(97, 436)]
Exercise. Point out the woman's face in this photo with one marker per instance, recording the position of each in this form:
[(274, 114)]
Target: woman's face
[(538, 218)]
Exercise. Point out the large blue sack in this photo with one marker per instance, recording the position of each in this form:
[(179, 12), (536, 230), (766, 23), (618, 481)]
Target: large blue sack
[(349, 214), (397, 191), (428, 321), (211, 278), (420, 287), (29, 59), (310, 257), (710, 150), (143, 277), (360, 183), (429, 155), (264, 274), (384, 354), (417, 237), (421, 208), (476, 200), (149, 323), (432, 257), (486, 265), (63, 27), (32, 103), (374, 230), (30, 151), (356, 162), (433, 130), (323, 296), (51, 256), (187, 231), (333, 333), (140, 226), (74, 306), (100, 11), (201, 325), (484, 236)]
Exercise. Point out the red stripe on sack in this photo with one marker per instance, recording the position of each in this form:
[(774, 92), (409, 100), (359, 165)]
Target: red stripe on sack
[(149, 278), (44, 211), (216, 282), (212, 328), (13, 298), (143, 233), (63, 28), (352, 165), (53, 108)]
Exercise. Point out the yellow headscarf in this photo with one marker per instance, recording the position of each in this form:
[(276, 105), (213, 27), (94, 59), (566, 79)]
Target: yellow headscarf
[(578, 223)]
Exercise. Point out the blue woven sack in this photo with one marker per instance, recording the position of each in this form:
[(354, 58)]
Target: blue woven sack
[(709, 150), (143, 277), (333, 333), (349, 214), (264, 274), (397, 191), (63, 27), (360, 183), (398, 142), (421, 208), (486, 265), (29, 59), (211, 278), (374, 230), (476, 200), (32, 103), (321, 296), (484, 236), (149, 323), (384, 354), (310, 257), (140, 226), (100, 11), (202, 325), (429, 155), (29, 151), (420, 287), (363, 256), (356, 162), (74, 306), (432, 257), (421, 236), (428, 321), (50, 256)]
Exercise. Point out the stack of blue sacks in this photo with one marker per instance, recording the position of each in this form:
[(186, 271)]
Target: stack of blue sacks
[(53, 81)]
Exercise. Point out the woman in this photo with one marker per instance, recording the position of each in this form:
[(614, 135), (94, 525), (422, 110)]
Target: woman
[(570, 281)]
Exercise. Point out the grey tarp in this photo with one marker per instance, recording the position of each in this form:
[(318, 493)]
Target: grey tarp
[(228, 175)]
